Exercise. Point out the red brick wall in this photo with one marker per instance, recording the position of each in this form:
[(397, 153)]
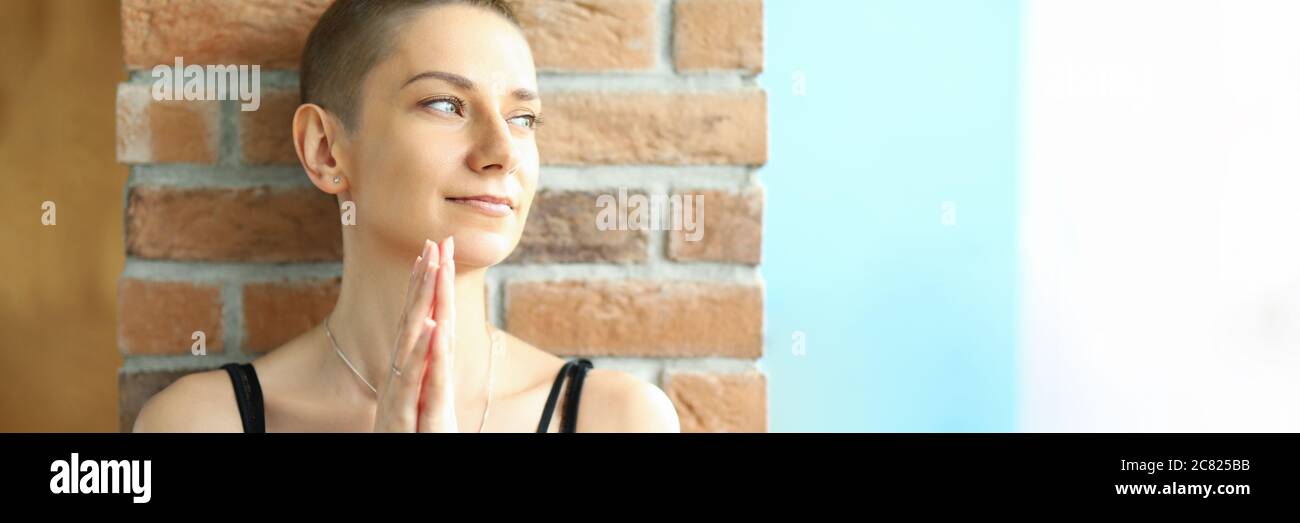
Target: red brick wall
[(224, 234)]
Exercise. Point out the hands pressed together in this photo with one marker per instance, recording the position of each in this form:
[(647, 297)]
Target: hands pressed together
[(418, 394)]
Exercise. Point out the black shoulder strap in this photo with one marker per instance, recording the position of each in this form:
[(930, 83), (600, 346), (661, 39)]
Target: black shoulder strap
[(569, 419), (248, 395), (553, 397)]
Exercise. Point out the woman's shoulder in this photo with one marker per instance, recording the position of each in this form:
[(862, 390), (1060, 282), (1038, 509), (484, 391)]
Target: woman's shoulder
[(204, 401), (617, 401), (612, 400), (199, 402)]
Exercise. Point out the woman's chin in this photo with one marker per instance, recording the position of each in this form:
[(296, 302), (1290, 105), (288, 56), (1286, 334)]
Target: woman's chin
[(482, 249)]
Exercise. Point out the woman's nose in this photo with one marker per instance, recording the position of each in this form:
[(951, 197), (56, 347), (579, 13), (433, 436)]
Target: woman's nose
[(494, 148)]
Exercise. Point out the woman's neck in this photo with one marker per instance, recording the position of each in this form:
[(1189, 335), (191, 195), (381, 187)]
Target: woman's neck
[(365, 321)]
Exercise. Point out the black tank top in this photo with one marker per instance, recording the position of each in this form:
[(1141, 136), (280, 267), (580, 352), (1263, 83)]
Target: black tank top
[(248, 395)]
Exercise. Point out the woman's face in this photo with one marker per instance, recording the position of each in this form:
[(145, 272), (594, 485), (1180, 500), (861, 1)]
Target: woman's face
[(445, 140)]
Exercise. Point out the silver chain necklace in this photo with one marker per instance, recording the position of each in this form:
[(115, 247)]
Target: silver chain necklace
[(493, 336)]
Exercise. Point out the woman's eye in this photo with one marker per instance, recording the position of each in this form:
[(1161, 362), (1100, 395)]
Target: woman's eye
[(526, 120), (443, 105)]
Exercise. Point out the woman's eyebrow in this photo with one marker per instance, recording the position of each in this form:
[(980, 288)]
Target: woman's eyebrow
[(451, 78), (522, 93), (525, 94)]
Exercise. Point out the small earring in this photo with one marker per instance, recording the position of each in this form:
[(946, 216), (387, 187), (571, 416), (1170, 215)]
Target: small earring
[(337, 179)]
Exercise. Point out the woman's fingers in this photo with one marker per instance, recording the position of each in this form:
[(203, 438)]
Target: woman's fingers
[(400, 394), (428, 266), (444, 308), (413, 367), (437, 412), (420, 394), (417, 271), (419, 303)]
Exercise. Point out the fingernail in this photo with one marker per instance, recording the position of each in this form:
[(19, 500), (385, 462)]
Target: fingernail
[(425, 252), (449, 250)]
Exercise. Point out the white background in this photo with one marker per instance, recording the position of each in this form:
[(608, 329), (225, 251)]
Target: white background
[(1160, 220)]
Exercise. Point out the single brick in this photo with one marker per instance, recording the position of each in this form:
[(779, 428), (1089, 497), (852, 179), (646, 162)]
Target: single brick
[(156, 317), (708, 402), (266, 135), (638, 318), (590, 35), (718, 34), (276, 312), (562, 228), (165, 131), (654, 128), (729, 230), (269, 33), (259, 224)]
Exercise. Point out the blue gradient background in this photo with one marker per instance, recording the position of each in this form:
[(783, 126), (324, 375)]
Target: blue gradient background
[(910, 325)]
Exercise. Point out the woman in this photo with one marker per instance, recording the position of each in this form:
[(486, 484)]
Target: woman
[(422, 115)]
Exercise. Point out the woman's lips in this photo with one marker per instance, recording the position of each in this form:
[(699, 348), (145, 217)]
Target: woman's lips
[(489, 205)]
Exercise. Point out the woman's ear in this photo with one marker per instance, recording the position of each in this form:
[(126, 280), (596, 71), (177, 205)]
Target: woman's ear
[(315, 133)]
